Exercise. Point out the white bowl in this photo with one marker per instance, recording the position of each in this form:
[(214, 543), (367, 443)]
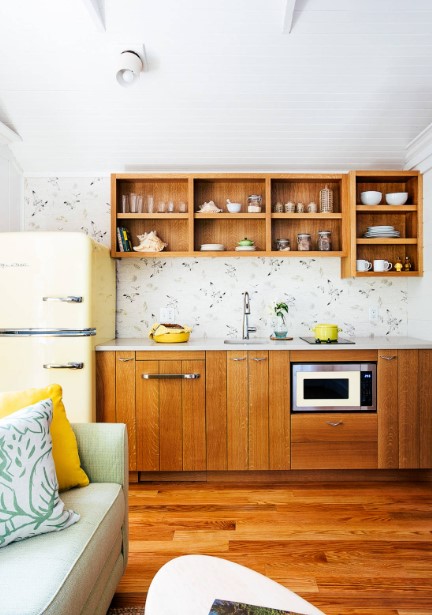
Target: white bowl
[(233, 208), (396, 198), (371, 197)]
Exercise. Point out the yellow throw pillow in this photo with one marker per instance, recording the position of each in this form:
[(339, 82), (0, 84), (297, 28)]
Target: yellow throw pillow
[(64, 444)]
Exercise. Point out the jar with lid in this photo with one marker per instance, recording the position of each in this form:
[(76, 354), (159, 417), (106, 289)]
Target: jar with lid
[(303, 241), (283, 245), (254, 203), (324, 241)]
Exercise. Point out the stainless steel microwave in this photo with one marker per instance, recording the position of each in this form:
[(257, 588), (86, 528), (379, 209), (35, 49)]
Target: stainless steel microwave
[(330, 387)]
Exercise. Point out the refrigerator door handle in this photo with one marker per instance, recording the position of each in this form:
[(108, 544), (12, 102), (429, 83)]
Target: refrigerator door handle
[(70, 365), (69, 299)]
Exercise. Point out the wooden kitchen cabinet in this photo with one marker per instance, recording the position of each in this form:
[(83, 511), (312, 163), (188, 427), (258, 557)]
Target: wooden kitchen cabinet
[(115, 394), (340, 440), (186, 232), (170, 411), (405, 409), (407, 219), (248, 416)]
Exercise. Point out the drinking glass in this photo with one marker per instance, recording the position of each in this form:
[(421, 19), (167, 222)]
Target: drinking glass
[(161, 207), (133, 202), (139, 204), (150, 203), (125, 204), (170, 208), (182, 207)]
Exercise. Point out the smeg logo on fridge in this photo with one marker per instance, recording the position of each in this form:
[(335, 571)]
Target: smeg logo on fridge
[(13, 265)]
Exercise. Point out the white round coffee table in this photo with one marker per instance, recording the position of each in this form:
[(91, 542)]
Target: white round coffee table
[(189, 584)]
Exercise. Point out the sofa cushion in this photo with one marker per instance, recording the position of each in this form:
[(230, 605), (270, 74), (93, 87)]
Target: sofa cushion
[(65, 449), (29, 499), (61, 569)]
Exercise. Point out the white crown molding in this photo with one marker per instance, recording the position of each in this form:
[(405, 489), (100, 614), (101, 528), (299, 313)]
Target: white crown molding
[(419, 151), (289, 16), (7, 135)]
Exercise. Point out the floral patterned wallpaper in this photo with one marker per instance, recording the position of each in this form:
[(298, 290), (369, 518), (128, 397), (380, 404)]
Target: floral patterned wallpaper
[(206, 293)]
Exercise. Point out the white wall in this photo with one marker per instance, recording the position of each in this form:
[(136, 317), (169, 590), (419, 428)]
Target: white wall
[(206, 292), (11, 192), (420, 289)]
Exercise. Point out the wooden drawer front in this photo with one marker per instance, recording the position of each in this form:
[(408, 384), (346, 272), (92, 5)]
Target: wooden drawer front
[(334, 441)]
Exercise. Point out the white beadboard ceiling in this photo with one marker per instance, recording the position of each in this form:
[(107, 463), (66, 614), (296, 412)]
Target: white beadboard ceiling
[(226, 85)]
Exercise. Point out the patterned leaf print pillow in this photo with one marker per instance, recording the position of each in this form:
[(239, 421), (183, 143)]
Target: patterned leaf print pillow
[(29, 499)]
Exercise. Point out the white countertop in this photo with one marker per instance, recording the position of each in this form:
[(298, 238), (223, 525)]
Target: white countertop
[(360, 343)]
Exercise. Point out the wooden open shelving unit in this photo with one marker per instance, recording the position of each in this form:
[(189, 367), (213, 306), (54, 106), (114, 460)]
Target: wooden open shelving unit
[(186, 232), (407, 219)]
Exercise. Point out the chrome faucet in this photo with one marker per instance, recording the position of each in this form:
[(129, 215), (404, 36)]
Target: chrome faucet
[(246, 312)]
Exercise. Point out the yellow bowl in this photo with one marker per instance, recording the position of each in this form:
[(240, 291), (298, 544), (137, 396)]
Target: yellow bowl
[(172, 338)]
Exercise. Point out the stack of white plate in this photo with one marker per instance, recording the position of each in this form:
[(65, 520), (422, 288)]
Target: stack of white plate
[(245, 248), (381, 231), (212, 247)]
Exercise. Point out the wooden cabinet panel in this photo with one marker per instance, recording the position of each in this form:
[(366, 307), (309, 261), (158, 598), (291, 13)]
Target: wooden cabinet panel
[(405, 409), (171, 416), (334, 441), (125, 399), (105, 387), (258, 410), (424, 388), (216, 410), (279, 410), (237, 411), (388, 413)]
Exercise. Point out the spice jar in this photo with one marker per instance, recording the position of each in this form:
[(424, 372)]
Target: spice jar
[(303, 241), (324, 241), (289, 207), (300, 208), (312, 208), (254, 203), (283, 245), (278, 208)]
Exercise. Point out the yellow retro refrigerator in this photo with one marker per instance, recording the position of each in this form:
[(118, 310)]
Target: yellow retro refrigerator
[(57, 302)]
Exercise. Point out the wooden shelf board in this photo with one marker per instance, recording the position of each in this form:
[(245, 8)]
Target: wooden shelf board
[(224, 216), (153, 216), (390, 241), (395, 274), (305, 216), (385, 208)]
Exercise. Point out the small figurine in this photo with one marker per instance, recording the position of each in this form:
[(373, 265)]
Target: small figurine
[(209, 208), (408, 264), (398, 266), (150, 242)]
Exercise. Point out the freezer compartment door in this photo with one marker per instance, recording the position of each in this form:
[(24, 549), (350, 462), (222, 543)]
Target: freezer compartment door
[(56, 280), (38, 361)]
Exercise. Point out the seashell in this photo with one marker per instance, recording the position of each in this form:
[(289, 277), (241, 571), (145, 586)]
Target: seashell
[(150, 242), (209, 208)]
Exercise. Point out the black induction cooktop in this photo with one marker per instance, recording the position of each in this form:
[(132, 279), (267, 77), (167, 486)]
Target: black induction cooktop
[(338, 342)]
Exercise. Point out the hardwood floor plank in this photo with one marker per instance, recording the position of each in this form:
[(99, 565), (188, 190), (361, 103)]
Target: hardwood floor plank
[(348, 548)]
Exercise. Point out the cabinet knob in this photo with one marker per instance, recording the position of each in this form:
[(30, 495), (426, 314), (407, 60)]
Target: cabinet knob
[(336, 424), (390, 358)]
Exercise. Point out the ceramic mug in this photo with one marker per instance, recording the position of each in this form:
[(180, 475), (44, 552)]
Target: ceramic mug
[(362, 265), (382, 265)]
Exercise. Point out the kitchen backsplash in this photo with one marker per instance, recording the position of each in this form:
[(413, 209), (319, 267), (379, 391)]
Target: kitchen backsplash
[(206, 292)]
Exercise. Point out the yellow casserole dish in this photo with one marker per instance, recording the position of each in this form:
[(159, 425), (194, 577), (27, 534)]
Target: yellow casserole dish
[(169, 334)]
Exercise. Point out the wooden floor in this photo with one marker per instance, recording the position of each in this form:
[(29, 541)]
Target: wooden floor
[(349, 549)]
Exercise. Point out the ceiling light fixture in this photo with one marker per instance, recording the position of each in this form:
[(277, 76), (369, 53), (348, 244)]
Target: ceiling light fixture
[(129, 67)]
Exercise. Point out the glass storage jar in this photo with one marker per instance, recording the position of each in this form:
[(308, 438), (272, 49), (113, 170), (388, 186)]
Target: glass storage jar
[(303, 241), (324, 241)]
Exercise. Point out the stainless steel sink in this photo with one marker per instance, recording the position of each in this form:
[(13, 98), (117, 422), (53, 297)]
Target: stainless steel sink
[(250, 341)]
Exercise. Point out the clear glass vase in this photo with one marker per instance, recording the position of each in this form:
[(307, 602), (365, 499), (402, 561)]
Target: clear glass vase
[(280, 328)]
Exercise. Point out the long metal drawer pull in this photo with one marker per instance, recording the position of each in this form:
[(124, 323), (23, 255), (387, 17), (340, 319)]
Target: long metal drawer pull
[(259, 358), (63, 365), (69, 299), (334, 424), (388, 358), (170, 376), (126, 360), (238, 359)]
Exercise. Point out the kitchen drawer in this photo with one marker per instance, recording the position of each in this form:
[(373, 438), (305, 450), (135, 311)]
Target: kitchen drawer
[(334, 441)]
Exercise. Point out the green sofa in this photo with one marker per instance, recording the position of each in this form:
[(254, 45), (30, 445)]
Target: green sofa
[(76, 571)]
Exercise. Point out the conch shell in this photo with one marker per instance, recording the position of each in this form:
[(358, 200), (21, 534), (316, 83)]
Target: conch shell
[(209, 208), (150, 242)]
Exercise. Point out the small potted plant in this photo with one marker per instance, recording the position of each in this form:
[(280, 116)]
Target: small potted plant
[(280, 310)]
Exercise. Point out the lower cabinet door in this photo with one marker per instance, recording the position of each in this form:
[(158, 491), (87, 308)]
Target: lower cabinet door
[(170, 415), (334, 441)]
